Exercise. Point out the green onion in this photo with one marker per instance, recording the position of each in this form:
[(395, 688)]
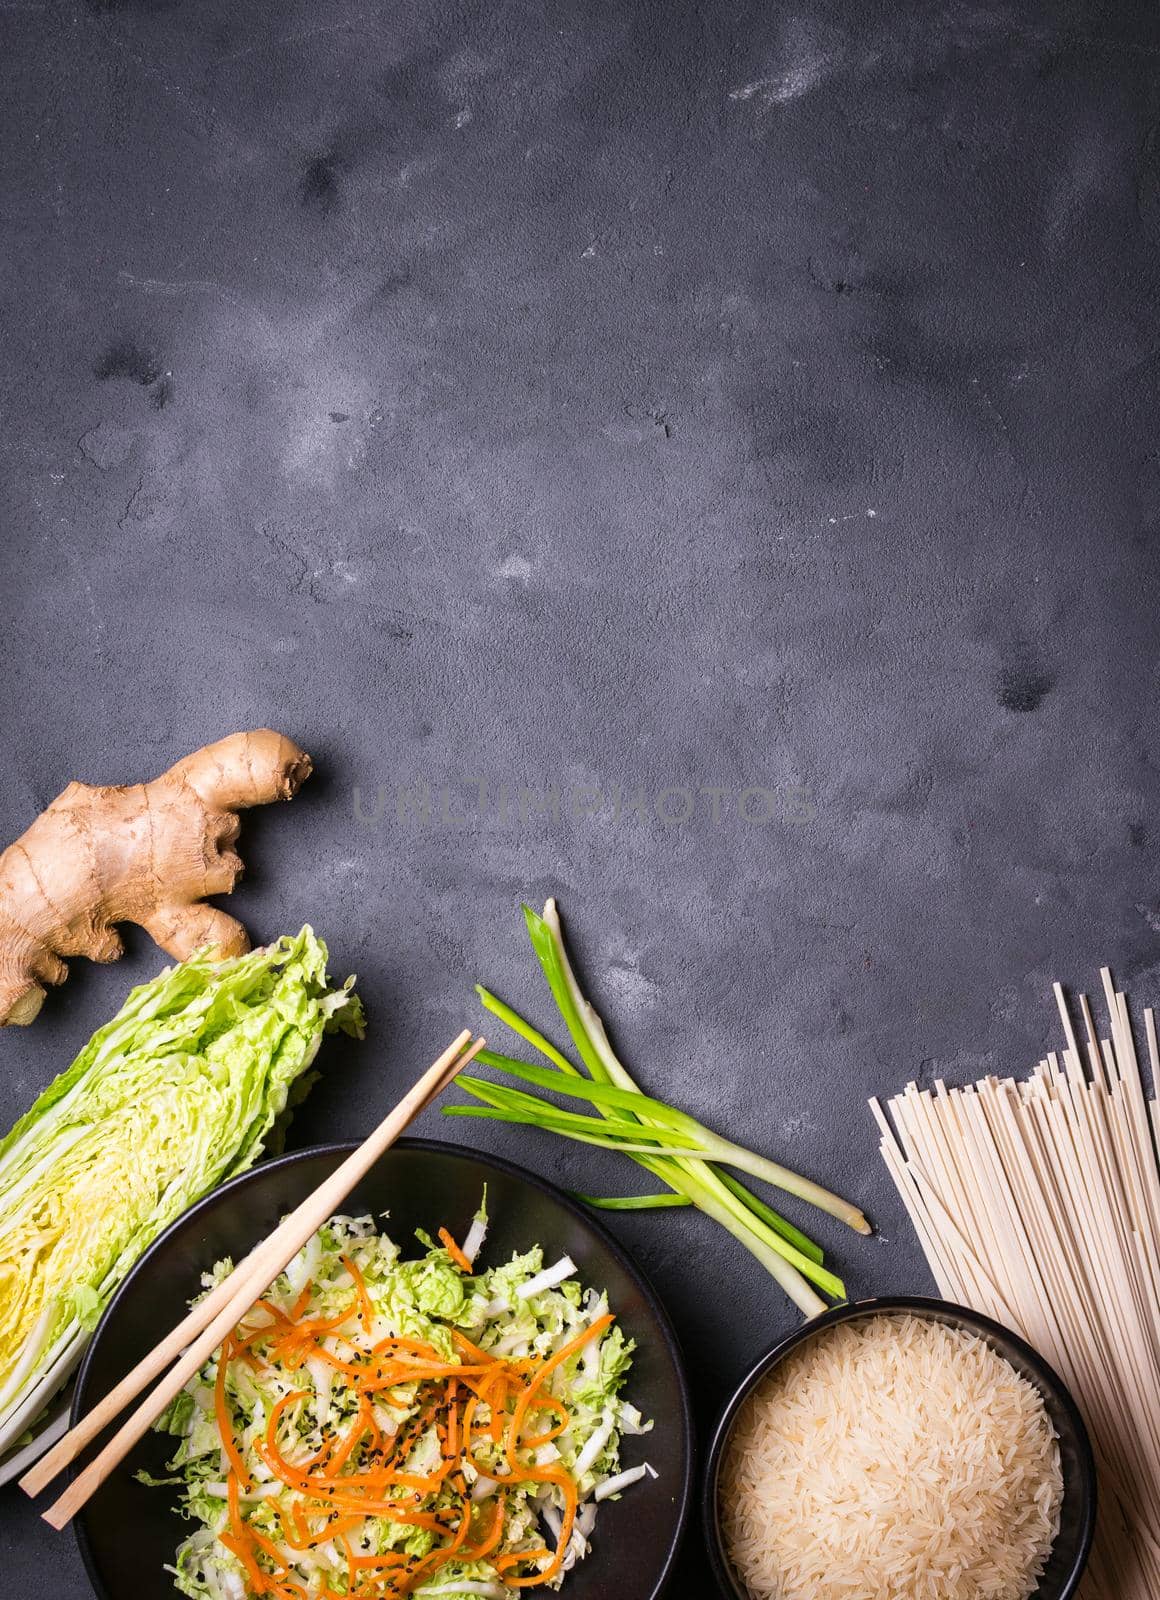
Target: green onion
[(525, 1030), (686, 1156), (723, 1151), (768, 1215)]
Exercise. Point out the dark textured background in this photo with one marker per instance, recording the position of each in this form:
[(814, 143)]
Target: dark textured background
[(660, 396)]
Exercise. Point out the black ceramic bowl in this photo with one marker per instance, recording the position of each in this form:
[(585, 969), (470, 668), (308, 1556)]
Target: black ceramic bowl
[(128, 1532), (1078, 1516)]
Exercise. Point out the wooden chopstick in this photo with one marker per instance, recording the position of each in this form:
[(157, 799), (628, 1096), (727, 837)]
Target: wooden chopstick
[(208, 1324)]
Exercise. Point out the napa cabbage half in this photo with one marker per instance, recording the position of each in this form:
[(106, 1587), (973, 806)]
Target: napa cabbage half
[(185, 1087)]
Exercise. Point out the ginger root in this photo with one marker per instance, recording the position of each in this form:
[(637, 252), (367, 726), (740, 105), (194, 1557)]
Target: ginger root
[(147, 853)]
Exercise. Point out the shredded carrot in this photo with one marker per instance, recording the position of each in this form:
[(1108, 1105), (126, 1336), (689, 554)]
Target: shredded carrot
[(464, 1425), (251, 1336), (415, 1346), (301, 1526), (333, 1530), (548, 1402), (243, 1550), (456, 1254), (233, 1501), (268, 1548), (567, 1487), (366, 1309), (502, 1563), (366, 1411), (224, 1421), (279, 1407), (302, 1301), (417, 1426), (356, 1482), (526, 1400), (482, 1550), (346, 1449), (393, 1511), (361, 1473), (445, 1553), (461, 1342), (306, 1332)]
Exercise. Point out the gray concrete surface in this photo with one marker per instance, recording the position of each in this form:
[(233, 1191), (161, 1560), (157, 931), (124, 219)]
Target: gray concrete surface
[(741, 418)]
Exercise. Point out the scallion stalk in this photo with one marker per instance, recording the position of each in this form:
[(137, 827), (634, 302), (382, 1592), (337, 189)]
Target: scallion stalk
[(685, 1155)]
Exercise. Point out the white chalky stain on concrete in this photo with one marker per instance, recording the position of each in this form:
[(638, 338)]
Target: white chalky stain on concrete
[(515, 568)]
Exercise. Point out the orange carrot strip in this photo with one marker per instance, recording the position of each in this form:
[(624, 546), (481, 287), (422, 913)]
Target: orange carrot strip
[(251, 1336), (346, 1449), (366, 1308), (234, 1501), (463, 1343), (415, 1346), (336, 1449), (349, 1368), (392, 1510), (425, 1483), (502, 1563), (482, 1550), (302, 1301), (451, 1442), (471, 1379), (442, 1554), (392, 1558), (548, 1402), (321, 1456), (301, 1526), (341, 1491), (280, 1406), (455, 1252), (367, 1412), (344, 1525), (225, 1421), (243, 1551), (564, 1482), (409, 1434), (302, 1332), (281, 1584), (268, 1547), (524, 1403)]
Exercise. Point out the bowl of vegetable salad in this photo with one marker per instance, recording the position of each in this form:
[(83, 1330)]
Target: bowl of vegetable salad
[(460, 1387)]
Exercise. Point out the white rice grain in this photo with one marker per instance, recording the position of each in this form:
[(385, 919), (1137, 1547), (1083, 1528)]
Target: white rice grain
[(892, 1458)]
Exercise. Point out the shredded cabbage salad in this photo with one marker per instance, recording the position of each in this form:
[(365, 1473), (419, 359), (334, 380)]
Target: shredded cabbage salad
[(379, 1427)]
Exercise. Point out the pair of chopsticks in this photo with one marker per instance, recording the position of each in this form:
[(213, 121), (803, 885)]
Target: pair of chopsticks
[(195, 1339)]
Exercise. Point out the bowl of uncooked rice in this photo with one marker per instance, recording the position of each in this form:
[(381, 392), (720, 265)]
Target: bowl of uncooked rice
[(900, 1449)]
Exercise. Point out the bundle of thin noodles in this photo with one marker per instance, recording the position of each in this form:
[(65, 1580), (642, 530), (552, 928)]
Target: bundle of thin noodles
[(1037, 1202)]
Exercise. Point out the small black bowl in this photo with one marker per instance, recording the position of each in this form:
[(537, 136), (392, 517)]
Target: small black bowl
[(127, 1532), (1078, 1514)]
